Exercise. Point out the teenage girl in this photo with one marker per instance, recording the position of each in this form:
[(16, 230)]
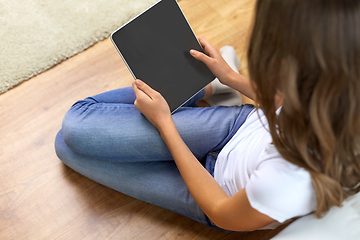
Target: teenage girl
[(239, 168)]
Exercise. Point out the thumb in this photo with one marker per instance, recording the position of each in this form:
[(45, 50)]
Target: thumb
[(140, 88), (200, 56)]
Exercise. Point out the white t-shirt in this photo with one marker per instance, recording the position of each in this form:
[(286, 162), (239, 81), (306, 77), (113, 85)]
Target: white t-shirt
[(274, 186)]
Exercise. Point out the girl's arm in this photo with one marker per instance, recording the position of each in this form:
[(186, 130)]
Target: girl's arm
[(215, 62), (231, 213)]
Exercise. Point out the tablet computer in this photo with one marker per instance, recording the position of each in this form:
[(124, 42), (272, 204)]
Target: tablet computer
[(156, 46)]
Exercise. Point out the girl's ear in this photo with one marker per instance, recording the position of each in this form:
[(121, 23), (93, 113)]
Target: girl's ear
[(279, 99)]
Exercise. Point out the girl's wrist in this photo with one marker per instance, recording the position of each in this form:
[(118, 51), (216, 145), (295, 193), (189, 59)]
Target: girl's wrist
[(242, 84), (232, 79), (167, 127)]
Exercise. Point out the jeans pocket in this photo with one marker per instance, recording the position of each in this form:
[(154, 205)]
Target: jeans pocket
[(210, 162)]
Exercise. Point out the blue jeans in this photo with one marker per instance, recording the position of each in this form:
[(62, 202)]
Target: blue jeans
[(106, 139)]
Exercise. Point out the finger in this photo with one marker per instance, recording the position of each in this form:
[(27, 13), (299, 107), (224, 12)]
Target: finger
[(208, 48), (141, 89), (200, 56), (146, 88), (203, 41), (136, 89), (140, 95), (133, 84)]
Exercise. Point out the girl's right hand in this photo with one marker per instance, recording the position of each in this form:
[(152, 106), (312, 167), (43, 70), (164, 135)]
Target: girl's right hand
[(213, 60), (152, 105)]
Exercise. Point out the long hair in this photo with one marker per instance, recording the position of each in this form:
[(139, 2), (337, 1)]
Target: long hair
[(308, 51)]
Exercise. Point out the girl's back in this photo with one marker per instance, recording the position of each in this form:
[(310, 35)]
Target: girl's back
[(308, 52)]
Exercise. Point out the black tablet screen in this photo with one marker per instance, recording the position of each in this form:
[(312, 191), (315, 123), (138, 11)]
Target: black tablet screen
[(155, 46)]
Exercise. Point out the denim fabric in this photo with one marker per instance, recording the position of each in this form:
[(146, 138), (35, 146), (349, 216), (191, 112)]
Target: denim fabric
[(106, 139)]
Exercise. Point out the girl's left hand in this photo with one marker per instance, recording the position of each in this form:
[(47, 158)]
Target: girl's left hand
[(151, 104)]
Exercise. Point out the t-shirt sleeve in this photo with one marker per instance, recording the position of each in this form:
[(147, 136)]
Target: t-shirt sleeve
[(281, 190)]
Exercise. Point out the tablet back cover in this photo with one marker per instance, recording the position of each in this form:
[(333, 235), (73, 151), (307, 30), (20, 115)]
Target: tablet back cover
[(155, 46)]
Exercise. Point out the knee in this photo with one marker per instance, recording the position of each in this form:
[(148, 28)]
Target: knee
[(60, 145), (75, 122)]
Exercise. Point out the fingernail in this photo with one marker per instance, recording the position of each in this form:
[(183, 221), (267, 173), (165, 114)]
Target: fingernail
[(192, 52), (138, 82)]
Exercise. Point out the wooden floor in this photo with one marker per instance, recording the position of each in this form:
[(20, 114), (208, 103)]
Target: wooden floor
[(40, 198)]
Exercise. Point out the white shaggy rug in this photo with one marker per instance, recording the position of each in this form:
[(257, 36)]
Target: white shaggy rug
[(37, 34)]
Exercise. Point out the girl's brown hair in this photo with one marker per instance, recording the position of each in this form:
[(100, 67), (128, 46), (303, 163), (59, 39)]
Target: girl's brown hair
[(308, 51)]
